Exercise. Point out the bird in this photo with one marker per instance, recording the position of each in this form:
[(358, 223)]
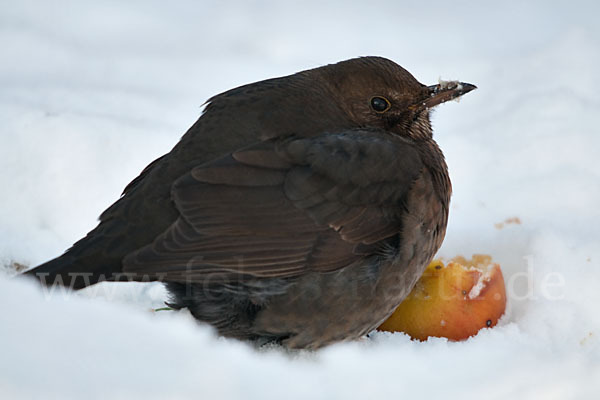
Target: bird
[(299, 210)]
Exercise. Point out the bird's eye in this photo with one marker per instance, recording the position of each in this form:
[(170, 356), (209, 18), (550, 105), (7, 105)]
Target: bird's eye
[(380, 104)]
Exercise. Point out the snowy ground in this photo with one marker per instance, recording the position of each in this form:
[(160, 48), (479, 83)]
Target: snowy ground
[(93, 91)]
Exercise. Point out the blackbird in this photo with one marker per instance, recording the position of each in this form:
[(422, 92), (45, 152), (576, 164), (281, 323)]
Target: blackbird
[(299, 209)]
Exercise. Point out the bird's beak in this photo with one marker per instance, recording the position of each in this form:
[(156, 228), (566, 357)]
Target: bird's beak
[(443, 92)]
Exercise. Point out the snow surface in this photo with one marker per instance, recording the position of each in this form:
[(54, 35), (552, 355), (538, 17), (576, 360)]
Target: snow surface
[(92, 91)]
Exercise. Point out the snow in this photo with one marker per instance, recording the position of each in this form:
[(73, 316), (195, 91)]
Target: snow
[(481, 283), (92, 91)]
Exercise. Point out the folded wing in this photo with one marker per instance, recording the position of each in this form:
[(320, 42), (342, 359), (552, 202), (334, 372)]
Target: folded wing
[(281, 208)]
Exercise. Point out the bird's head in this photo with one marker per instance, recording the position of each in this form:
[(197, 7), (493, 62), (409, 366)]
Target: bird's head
[(375, 92)]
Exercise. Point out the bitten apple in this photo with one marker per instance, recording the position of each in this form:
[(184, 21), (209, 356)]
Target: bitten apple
[(453, 301)]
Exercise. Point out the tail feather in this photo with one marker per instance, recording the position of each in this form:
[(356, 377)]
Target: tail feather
[(84, 264), (74, 273)]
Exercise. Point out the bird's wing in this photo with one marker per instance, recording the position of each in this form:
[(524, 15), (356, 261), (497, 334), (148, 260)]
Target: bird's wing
[(133, 184), (284, 207)]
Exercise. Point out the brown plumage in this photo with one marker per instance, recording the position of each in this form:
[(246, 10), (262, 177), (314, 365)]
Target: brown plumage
[(299, 209)]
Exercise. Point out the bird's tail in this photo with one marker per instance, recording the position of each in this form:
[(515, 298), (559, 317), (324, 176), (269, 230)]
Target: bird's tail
[(82, 265), (69, 273)]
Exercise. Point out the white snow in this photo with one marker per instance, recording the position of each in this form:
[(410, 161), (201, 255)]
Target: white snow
[(481, 283), (92, 91)]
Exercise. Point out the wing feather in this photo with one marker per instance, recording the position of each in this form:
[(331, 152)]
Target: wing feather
[(284, 207)]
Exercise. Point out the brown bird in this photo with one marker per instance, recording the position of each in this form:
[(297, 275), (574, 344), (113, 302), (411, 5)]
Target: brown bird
[(299, 209)]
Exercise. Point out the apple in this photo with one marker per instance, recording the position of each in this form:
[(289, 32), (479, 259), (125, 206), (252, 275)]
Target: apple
[(453, 301)]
